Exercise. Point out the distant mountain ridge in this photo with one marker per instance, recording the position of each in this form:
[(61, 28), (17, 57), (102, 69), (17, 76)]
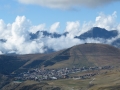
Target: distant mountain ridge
[(97, 32), (116, 43), (46, 34), (94, 33)]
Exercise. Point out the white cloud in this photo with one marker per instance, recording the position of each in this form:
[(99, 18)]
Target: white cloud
[(62, 42), (106, 21), (118, 28), (1, 53), (73, 28), (18, 38), (67, 4), (40, 27), (54, 27), (2, 26)]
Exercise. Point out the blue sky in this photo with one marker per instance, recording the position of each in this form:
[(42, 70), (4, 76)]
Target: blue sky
[(19, 18), (37, 14)]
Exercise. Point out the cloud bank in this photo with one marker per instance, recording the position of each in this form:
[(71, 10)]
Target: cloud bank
[(15, 37), (67, 4)]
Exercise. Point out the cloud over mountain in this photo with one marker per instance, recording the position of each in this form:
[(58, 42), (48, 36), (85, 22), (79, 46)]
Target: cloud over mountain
[(54, 27), (16, 38), (67, 4)]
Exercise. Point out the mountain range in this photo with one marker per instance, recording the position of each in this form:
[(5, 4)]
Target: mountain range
[(46, 42), (97, 32), (94, 33)]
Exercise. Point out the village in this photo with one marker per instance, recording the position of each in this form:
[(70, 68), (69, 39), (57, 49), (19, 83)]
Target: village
[(54, 74)]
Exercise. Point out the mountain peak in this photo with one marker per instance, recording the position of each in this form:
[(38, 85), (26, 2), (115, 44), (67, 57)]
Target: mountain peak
[(97, 32)]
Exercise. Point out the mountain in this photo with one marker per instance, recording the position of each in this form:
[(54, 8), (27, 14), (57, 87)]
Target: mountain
[(89, 54), (30, 85), (97, 32), (46, 38), (10, 63), (116, 43), (94, 33), (86, 55), (46, 34)]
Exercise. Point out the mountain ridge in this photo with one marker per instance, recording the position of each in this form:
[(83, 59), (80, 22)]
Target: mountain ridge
[(46, 39), (88, 54), (97, 32)]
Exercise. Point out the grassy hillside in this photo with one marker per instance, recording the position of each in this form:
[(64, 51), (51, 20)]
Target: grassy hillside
[(87, 55), (80, 55), (8, 64), (106, 80), (30, 85)]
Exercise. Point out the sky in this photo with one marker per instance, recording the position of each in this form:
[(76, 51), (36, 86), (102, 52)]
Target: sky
[(47, 12), (19, 17)]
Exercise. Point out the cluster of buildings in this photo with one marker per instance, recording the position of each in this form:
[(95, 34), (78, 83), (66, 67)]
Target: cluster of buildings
[(54, 74)]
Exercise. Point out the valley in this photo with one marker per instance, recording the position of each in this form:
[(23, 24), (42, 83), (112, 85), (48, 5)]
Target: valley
[(88, 66), (104, 79)]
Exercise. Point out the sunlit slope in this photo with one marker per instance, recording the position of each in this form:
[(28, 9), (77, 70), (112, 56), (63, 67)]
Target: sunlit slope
[(82, 55), (89, 54)]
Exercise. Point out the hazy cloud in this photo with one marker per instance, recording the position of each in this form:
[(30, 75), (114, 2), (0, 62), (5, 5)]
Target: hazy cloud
[(67, 4)]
